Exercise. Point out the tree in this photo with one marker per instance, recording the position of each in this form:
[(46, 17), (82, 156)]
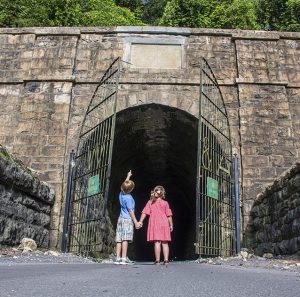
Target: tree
[(236, 14), (21, 13), (283, 15), (130, 4), (293, 16), (153, 11), (178, 13), (136, 6), (210, 14), (279, 14), (107, 13)]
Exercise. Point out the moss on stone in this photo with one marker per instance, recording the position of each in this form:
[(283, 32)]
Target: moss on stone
[(6, 156)]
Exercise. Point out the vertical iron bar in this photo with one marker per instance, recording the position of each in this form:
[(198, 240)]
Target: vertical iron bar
[(237, 205), (199, 162), (112, 134), (65, 236)]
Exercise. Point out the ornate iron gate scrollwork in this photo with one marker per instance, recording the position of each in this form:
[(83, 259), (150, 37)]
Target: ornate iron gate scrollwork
[(91, 174), (215, 201)]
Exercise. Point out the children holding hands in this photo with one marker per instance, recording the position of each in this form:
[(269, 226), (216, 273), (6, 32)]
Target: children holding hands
[(160, 223)]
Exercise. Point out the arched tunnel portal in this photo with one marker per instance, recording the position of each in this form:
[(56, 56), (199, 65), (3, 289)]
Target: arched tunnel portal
[(159, 144)]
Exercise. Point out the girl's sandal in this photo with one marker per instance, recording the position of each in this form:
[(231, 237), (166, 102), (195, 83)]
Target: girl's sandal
[(166, 263), (156, 263)]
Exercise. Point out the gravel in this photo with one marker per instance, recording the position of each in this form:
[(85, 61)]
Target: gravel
[(11, 256), (284, 263), (14, 256)]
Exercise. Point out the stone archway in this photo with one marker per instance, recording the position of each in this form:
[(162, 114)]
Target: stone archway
[(162, 144), (159, 144)]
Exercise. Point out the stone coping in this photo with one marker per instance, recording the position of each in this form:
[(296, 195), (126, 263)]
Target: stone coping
[(258, 81), (77, 31), (279, 183), (140, 81), (15, 174)]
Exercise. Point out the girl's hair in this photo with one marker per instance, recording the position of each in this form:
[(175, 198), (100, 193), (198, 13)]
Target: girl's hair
[(127, 186), (160, 191)]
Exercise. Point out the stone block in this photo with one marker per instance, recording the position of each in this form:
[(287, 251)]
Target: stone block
[(51, 176), (55, 140), (256, 161)]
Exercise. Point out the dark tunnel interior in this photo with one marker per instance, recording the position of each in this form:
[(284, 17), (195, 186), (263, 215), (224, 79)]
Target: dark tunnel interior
[(159, 144)]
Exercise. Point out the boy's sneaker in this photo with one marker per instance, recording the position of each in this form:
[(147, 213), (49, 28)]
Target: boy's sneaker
[(126, 261), (129, 261), (117, 261)]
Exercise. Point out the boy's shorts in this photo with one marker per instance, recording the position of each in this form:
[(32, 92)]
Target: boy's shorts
[(124, 230)]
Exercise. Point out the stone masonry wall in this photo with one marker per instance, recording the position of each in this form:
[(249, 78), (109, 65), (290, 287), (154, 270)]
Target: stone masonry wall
[(47, 77), (25, 203), (275, 217)]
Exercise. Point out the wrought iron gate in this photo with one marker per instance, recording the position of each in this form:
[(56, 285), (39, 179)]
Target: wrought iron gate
[(215, 202), (91, 173)]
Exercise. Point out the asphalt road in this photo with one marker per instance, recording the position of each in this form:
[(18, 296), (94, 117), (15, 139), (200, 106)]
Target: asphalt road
[(143, 280)]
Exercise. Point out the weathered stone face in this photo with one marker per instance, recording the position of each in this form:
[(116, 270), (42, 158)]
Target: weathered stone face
[(48, 75), (275, 225), (25, 204)]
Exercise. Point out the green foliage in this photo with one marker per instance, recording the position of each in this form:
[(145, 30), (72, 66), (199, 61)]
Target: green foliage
[(136, 6), (28, 13), (153, 11), (210, 14), (133, 5), (293, 15), (20, 13), (239, 14), (282, 15), (106, 13), (180, 13), (66, 12)]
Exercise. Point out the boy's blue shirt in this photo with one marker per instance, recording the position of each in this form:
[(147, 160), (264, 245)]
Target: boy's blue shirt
[(127, 202)]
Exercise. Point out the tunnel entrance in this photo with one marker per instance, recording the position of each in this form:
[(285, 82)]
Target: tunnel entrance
[(162, 145), (159, 144)]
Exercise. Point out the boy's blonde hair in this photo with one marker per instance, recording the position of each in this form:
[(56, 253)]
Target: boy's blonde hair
[(127, 186)]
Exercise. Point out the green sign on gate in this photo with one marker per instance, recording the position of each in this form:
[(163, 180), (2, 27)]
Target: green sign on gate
[(212, 188), (93, 185)]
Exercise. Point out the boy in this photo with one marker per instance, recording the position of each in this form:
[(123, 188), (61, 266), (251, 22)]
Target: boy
[(124, 232)]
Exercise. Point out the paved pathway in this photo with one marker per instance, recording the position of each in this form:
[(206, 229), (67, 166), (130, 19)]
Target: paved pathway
[(143, 280)]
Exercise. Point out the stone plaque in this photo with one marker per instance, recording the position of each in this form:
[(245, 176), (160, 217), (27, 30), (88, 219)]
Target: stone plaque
[(212, 188), (93, 185), (159, 56)]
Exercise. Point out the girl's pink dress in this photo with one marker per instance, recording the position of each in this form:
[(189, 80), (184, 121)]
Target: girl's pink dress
[(158, 226)]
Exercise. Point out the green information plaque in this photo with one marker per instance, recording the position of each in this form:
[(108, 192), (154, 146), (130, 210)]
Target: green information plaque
[(212, 188), (93, 185)]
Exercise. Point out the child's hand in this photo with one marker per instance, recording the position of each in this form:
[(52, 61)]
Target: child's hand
[(138, 225), (129, 174), (171, 228)]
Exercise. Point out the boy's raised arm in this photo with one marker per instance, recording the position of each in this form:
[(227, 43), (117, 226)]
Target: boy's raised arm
[(129, 174)]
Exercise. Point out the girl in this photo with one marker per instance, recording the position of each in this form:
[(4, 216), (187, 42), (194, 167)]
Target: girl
[(160, 223)]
